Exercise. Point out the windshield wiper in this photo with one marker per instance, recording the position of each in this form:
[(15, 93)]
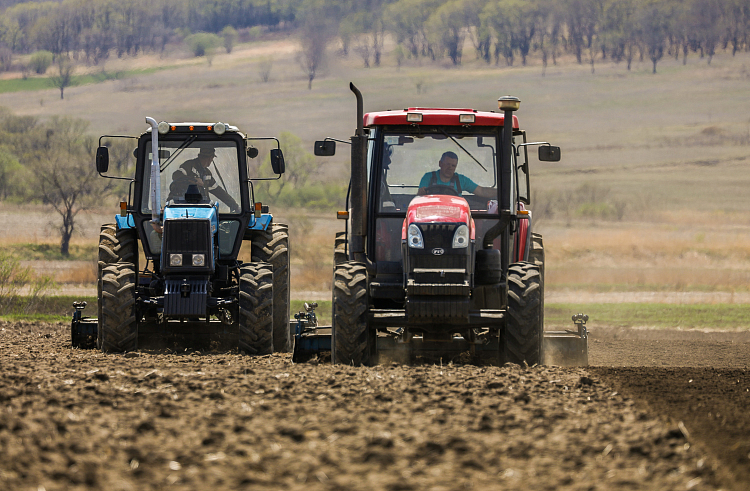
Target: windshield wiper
[(177, 152), (462, 148)]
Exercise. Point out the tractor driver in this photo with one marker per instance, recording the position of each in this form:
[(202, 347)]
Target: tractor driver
[(195, 171), (447, 176)]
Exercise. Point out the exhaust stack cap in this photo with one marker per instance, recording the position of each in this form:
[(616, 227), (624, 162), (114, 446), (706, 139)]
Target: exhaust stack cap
[(508, 103)]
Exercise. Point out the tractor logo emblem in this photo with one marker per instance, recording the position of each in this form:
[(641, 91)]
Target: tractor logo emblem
[(438, 251)]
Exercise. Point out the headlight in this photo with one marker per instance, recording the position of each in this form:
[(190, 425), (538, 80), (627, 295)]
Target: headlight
[(199, 260), (175, 259), (163, 128), (414, 237), (220, 128), (461, 237)]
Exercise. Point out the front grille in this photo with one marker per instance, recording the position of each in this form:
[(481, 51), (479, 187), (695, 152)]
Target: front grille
[(430, 261), (438, 235), (187, 235)]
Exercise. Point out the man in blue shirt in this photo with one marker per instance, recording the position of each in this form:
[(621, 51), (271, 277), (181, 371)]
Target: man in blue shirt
[(447, 176)]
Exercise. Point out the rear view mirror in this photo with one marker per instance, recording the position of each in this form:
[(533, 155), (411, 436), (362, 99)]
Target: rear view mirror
[(277, 161), (102, 160), (548, 153), (325, 148), (252, 152)]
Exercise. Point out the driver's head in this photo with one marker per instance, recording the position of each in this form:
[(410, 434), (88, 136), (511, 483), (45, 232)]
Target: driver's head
[(205, 156), (448, 163)]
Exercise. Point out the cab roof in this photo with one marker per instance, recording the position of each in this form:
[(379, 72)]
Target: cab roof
[(436, 116), (195, 128)]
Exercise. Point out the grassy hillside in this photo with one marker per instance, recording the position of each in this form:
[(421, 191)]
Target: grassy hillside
[(650, 193)]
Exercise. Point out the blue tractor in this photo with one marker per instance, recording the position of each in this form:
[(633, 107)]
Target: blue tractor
[(191, 207)]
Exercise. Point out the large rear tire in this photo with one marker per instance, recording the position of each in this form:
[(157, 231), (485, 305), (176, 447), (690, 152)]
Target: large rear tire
[(522, 341), (352, 342), (339, 249), (272, 246), (536, 256), (256, 309), (118, 324), (114, 246)]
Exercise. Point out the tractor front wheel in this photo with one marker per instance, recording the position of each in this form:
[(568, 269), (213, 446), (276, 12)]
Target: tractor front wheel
[(256, 309), (272, 246), (352, 342), (522, 342), (114, 246), (118, 325)]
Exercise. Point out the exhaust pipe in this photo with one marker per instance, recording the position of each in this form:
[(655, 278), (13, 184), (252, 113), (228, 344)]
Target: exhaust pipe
[(155, 190), (359, 187)]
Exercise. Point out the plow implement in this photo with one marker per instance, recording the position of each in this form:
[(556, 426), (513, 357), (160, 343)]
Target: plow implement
[(568, 347)]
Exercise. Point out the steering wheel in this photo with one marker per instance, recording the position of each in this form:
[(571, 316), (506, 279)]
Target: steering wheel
[(440, 189)]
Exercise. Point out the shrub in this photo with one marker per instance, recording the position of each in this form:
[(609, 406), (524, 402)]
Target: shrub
[(203, 43), (13, 279), (40, 61), (229, 34)]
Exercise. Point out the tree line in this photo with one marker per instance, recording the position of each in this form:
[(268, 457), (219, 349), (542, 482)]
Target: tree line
[(507, 31)]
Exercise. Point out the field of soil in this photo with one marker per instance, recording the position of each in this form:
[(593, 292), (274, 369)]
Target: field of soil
[(656, 410)]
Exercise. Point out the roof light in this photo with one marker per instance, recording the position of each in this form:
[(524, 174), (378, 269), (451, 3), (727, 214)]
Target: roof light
[(466, 118), (191, 127), (414, 117), (163, 128), (220, 128), (508, 103)]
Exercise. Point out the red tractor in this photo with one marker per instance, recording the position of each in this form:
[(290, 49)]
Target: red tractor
[(438, 258)]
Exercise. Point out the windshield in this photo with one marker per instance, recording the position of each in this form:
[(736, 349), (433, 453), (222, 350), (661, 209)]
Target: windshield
[(212, 166), (440, 163)]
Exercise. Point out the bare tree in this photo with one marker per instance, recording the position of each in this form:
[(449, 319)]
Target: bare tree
[(64, 77), (315, 35), (264, 68), (65, 176)]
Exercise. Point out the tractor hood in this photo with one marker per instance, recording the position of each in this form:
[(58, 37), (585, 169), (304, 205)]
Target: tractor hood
[(438, 209), (206, 212)]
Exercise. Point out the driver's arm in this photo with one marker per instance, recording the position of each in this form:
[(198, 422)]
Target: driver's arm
[(485, 192), (224, 196), (423, 184)]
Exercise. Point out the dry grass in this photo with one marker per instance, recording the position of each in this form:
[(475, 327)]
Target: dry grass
[(654, 256)]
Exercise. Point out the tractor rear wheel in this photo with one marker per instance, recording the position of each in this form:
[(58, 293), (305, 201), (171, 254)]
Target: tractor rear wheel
[(118, 324), (522, 342), (272, 246), (536, 256), (352, 342), (256, 309), (339, 249)]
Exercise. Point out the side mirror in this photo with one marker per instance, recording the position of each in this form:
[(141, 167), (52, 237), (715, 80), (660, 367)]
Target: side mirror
[(252, 152), (277, 161), (325, 148), (548, 153), (102, 160)]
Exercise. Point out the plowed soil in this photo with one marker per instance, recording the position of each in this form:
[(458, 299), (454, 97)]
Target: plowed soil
[(656, 410)]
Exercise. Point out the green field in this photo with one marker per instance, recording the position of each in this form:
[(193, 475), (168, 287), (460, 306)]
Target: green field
[(33, 84), (723, 317)]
